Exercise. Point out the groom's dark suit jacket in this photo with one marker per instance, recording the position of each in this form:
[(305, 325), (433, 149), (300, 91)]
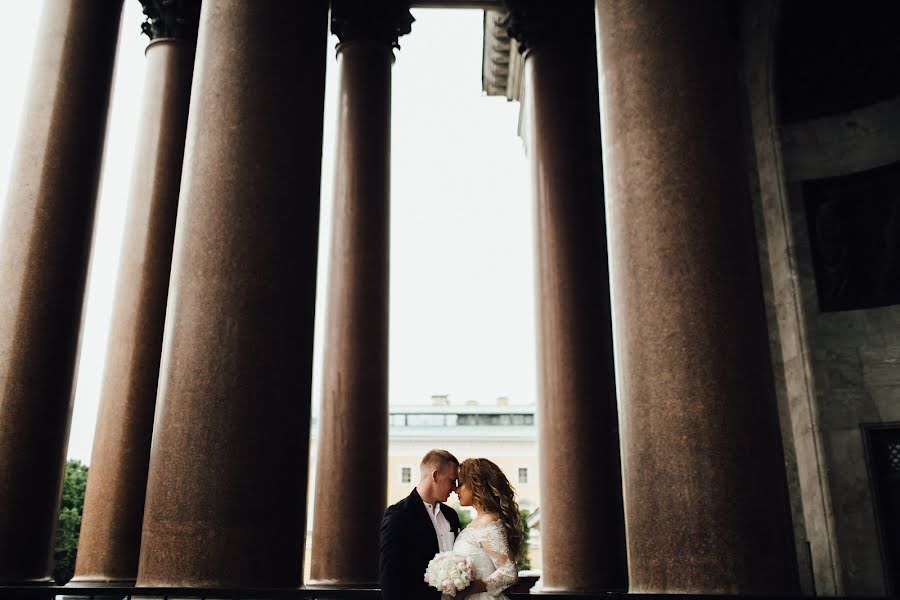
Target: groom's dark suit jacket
[(408, 543)]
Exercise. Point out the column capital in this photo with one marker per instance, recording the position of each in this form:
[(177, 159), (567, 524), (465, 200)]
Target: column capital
[(177, 19), (354, 20), (535, 22)]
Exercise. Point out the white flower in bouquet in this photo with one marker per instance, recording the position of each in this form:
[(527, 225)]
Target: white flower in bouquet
[(448, 573)]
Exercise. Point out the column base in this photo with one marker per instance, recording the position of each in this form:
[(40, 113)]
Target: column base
[(92, 582), (333, 583), (96, 582), (42, 581)]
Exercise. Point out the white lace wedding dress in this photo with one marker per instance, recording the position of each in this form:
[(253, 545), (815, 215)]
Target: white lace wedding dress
[(492, 562)]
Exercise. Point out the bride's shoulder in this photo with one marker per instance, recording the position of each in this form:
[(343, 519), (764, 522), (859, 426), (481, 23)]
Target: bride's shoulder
[(486, 519)]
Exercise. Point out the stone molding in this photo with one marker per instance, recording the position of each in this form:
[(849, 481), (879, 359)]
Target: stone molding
[(842, 144), (357, 20), (787, 295), (501, 63), (178, 19)]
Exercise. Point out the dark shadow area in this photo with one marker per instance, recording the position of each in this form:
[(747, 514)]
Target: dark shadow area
[(832, 60)]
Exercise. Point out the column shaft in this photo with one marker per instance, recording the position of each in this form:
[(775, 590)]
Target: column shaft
[(353, 425), (582, 525), (110, 537), (706, 507), (44, 247), (226, 491)]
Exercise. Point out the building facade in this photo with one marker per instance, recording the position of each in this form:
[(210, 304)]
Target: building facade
[(503, 433)]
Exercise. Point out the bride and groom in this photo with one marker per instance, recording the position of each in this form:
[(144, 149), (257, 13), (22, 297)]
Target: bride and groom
[(420, 526)]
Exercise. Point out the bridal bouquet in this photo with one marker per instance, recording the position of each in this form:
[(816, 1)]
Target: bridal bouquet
[(448, 573)]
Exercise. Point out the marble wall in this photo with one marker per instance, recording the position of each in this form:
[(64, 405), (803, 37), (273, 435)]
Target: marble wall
[(856, 369), (834, 371)]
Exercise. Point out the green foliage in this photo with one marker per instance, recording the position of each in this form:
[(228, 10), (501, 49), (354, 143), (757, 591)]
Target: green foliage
[(66, 545), (69, 521), (74, 484), (524, 559), (464, 518)]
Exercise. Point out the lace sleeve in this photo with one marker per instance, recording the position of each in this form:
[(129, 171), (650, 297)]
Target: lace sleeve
[(495, 544)]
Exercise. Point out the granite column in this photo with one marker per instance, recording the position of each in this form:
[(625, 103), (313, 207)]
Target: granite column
[(44, 247), (110, 538), (705, 495), (351, 480), (581, 499), (226, 490)]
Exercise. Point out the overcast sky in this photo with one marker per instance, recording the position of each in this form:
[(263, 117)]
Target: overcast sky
[(462, 294)]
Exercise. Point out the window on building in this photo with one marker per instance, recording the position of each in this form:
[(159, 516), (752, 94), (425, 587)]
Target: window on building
[(523, 474), (425, 420), (486, 419), (405, 474)]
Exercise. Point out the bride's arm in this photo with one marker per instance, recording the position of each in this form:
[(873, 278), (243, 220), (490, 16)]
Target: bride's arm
[(505, 573), (476, 587)]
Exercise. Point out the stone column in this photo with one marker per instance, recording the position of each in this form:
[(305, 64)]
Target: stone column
[(705, 498), (353, 421), (44, 246), (582, 525), (110, 537), (226, 490)]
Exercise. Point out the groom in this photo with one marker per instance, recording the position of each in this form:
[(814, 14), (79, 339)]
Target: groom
[(417, 528)]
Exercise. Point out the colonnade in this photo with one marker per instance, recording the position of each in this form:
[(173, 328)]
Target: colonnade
[(651, 325)]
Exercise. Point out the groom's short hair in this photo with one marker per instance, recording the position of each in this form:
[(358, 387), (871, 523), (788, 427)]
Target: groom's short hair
[(437, 459)]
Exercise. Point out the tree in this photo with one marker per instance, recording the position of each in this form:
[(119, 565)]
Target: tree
[(69, 521), (464, 517), (524, 559)]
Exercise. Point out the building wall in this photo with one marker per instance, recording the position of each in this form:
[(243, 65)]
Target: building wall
[(810, 499), (855, 357), (509, 456), (834, 371)]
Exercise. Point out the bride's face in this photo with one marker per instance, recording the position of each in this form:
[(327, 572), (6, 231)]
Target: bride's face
[(465, 494)]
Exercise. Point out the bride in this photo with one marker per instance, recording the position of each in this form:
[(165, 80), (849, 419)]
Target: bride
[(495, 538)]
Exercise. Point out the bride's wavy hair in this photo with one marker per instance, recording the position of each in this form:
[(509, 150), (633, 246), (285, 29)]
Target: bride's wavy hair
[(492, 492)]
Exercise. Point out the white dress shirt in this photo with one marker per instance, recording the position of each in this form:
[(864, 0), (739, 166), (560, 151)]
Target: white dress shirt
[(445, 535), (442, 528)]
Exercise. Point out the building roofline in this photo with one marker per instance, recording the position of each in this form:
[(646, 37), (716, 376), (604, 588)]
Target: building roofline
[(461, 409)]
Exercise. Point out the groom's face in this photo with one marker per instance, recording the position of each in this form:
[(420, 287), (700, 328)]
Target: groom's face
[(446, 482)]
